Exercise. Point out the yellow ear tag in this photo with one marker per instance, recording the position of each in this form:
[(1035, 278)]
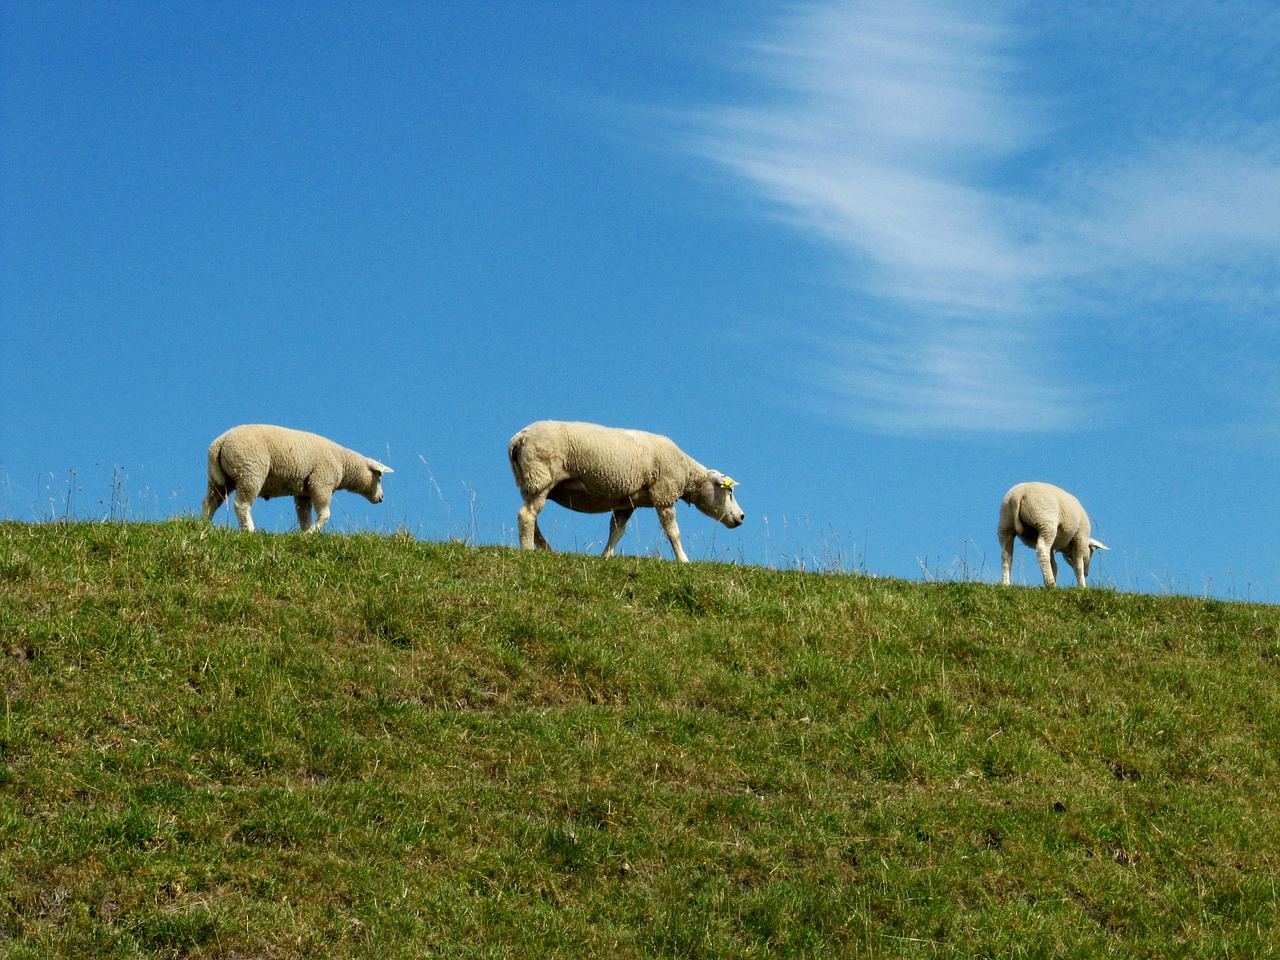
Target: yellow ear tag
[(728, 484)]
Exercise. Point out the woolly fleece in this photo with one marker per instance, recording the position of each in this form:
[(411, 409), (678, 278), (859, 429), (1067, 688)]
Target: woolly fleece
[(595, 469), (1047, 519), (260, 460)]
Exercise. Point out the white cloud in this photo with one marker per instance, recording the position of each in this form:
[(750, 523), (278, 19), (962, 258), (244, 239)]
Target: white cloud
[(898, 132), (1185, 200), (887, 118)]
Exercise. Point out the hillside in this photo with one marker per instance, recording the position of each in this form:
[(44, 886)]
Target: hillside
[(220, 745)]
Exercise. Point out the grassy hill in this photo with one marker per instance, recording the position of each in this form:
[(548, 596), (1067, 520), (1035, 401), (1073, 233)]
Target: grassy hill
[(219, 745)]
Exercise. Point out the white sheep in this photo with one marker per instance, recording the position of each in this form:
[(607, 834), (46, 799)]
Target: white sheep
[(1046, 518), (260, 460), (595, 469)]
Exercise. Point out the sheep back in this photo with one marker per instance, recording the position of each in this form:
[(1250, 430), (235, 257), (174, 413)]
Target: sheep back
[(280, 461), (593, 468), (1034, 509)]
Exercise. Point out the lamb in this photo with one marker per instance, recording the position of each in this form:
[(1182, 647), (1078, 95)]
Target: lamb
[(259, 460), (593, 469), (1046, 518)]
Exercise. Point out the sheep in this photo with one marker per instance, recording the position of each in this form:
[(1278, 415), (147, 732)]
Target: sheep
[(1046, 518), (593, 469), (260, 460)]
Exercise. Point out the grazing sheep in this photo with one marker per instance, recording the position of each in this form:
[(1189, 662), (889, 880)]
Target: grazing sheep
[(1046, 518), (595, 469), (259, 460)]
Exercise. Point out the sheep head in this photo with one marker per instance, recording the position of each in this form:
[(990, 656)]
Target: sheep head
[(372, 488), (715, 498), (1093, 545)]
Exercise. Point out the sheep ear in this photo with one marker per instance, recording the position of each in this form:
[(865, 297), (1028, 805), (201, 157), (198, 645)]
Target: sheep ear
[(1097, 545), (720, 480), (377, 467)]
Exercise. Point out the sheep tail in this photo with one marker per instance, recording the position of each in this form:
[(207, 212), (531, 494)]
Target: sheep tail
[(217, 476), (515, 453), (1018, 525)]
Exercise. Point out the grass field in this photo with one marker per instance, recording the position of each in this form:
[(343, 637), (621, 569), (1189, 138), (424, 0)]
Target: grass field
[(253, 746)]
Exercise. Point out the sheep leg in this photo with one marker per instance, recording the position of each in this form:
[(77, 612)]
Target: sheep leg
[(527, 523), (213, 499), (617, 524), (319, 500), (303, 506), (1048, 565), (667, 517), (244, 508), (1077, 564), (1006, 557)]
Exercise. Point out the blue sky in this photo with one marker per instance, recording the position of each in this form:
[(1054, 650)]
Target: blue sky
[(877, 260)]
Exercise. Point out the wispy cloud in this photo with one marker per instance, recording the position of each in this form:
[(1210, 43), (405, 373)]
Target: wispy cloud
[(901, 133), (1183, 200)]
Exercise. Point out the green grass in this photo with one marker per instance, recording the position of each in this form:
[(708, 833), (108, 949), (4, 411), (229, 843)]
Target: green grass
[(225, 745)]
